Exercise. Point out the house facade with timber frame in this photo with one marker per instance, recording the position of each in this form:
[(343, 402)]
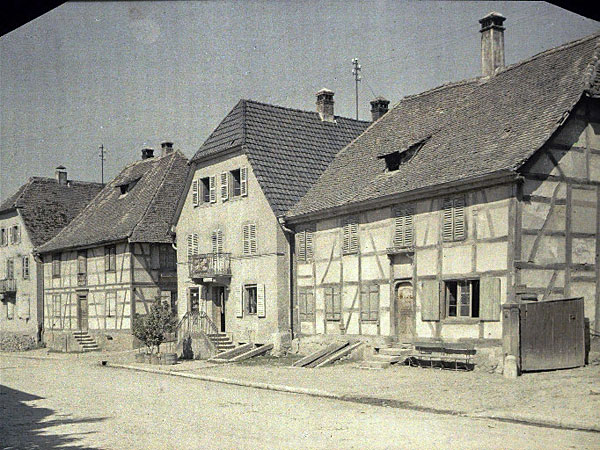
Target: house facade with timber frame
[(116, 257), (458, 200), (234, 255)]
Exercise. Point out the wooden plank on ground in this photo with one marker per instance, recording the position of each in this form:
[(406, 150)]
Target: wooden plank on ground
[(319, 354), (232, 353), (254, 352), (337, 355)]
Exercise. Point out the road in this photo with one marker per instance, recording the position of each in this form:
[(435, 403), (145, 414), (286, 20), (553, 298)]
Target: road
[(79, 405)]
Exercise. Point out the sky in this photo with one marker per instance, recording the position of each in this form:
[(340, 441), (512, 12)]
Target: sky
[(128, 75)]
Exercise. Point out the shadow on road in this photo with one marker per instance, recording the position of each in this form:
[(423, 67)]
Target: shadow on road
[(26, 427)]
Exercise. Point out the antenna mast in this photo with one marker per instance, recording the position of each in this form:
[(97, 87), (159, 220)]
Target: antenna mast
[(102, 157), (356, 72)]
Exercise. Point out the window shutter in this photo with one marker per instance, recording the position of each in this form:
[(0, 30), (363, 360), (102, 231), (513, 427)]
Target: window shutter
[(310, 303), (246, 239), (224, 186), (219, 241), (300, 246), (195, 243), (190, 248), (430, 300), (212, 188), (329, 312), (489, 308), (459, 218), (364, 302), (374, 302), (337, 304), (447, 235), (350, 240), (240, 305), (408, 228), (308, 242), (252, 235), (195, 193), (260, 301), (244, 181)]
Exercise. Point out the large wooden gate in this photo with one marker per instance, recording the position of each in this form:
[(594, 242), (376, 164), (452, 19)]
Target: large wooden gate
[(550, 334)]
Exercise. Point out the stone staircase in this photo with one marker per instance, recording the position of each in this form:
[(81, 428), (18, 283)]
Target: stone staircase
[(85, 341), (387, 356), (221, 341)]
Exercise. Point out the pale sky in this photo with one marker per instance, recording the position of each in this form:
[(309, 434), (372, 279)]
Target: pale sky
[(133, 74)]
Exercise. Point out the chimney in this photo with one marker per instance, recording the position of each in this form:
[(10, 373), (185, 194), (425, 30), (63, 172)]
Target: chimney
[(61, 175), (325, 105), (379, 107), (147, 153), (167, 147), (492, 43)]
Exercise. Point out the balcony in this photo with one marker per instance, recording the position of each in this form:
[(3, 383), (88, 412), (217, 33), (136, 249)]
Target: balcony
[(8, 285), (81, 279), (210, 265)]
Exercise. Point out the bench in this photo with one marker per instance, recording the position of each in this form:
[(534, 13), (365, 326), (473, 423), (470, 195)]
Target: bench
[(442, 355)]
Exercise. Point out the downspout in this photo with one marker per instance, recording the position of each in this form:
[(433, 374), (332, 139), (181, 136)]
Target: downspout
[(289, 233)]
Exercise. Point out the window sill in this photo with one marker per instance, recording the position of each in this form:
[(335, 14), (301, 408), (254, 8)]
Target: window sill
[(461, 320)]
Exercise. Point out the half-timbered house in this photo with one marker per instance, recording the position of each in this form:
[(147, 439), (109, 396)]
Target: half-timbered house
[(115, 257), (233, 252), (458, 200), (30, 217)]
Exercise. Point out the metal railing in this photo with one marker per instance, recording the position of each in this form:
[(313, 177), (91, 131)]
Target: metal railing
[(210, 265), (195, 322), (8, 285)]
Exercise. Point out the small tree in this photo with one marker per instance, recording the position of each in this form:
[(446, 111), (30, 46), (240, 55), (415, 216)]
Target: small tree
[(153, 327)]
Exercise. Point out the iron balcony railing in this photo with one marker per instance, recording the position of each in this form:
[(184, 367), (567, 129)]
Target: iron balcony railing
[(210, 265), (8, 285)]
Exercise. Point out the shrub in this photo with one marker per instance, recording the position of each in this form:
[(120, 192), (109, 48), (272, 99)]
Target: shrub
[(153, 327), (11, 342)]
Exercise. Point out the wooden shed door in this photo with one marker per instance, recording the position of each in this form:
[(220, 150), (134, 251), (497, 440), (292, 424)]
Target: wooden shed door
[(82, 312), (552, 335), (404, 309)]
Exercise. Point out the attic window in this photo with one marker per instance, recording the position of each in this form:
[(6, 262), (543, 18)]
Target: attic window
[(126, 187), (394, 160)]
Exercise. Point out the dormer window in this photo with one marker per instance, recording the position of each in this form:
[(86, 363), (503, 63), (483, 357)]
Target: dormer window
[(394, 160), (124, 188)]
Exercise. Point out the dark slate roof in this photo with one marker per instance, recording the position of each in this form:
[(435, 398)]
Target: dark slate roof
[(144, 214), (471, 129), (47, 206), (287, 148)]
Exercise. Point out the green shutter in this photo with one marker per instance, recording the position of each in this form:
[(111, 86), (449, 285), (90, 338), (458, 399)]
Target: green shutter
[(489, 299), (430, 300)]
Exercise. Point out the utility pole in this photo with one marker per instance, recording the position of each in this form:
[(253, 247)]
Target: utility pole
[(102, 157), (356, 72)]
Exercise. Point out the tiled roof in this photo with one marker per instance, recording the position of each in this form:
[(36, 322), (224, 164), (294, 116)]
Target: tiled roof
[(474, 128), (47, 206), (143, 214), (288, 148)]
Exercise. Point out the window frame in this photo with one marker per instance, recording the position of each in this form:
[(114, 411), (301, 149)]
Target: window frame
[(404, 228), (204, 190), (11, 303), (306, 308), (167, 259), (305, 250), (454, 217), (3, 237), (248, 288), (25, 268), (472, 286), (15, 233), (350, 238), (111, 296), (10, 268), (56, 265), (333, 308), (235, 183), (369, 295), (110, 258)]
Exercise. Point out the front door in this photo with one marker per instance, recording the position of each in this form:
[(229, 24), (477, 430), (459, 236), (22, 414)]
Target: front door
[(219, 307), (404, 309), (82, 312)]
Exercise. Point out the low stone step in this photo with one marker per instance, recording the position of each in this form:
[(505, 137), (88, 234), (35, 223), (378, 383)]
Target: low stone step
[(374, 364), (395, 351)]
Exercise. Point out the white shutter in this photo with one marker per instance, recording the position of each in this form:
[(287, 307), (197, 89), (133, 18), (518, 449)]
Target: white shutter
[(301, 245), (219, 241), (212, 188), (224, 186), (260, 300), (346, 238), (408, 228), (447, 234), (240, 304), (490, 297), (308, 242), (244, 181), (354, 237), (195, 193), (195, 244), (246, 239), (430, 300), (190, 246), (252, 236), (213, 242), (459, 218)]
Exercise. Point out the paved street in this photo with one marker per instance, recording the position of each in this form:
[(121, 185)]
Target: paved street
[(76, 405)]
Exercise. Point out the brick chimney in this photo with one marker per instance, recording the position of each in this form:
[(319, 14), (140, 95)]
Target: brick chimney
[(325, 105), (147, 153), (167, 147), (61, 175), (379, 106), (492, 43)]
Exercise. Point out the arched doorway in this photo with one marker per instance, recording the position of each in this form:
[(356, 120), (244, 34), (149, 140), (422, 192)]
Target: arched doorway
[(405, 312)]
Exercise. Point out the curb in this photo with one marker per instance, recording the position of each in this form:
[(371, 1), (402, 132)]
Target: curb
[(508, 418)]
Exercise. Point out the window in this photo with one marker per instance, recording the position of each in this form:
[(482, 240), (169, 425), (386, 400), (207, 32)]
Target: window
[(192, 245), (15, 234), (306, 304), (462, 298), (170, 298), (250, 295), (333, 304), (216, 241), (249, 237), (453, 228), (24, 309), (10, 308), (125, 188), (350, 240), (111, 304), (234, 176), (10, 268), (394, 160), (403, 227), (81, 262), (369, 302), (25, 264), (207, 186), (304, 244), (110, 258), (167, 258), (3, 237), (56, 265), (194, 293)]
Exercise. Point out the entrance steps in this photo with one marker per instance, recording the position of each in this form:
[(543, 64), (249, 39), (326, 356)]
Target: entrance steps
[(85, 341), (221, 341), (387, 356)]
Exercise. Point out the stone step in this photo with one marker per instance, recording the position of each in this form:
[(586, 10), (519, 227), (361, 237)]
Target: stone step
[(374, 364), (387, 358), (395, 351)]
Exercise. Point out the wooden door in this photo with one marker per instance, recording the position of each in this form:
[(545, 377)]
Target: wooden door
[(218, 304), (82, 312), (404, 309)]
